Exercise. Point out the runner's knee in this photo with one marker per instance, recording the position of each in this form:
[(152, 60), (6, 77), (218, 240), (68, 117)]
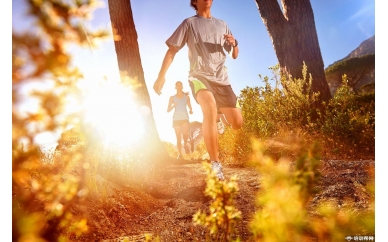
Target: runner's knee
[(208, 105), (237, 123)]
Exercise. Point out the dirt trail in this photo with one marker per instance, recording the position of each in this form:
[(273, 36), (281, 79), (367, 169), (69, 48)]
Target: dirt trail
[(165, 205)]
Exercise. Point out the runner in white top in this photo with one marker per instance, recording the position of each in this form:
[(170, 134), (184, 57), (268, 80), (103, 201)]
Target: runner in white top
[(179, 102)]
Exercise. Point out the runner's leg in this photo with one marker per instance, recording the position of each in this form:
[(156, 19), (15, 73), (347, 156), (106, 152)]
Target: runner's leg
[(209, 126), (233, 117), (221, 117), (185, 132), (178, 135)]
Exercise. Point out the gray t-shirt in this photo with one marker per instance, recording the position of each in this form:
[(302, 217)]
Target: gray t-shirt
[(205, 40)]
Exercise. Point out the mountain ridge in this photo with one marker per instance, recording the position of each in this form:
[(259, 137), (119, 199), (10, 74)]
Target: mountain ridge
[(365, 48), (358, 65)]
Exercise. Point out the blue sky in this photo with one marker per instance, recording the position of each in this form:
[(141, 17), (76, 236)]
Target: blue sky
[(341, 27)]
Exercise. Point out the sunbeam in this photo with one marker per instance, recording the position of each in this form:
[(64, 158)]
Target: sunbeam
[(109, 106)]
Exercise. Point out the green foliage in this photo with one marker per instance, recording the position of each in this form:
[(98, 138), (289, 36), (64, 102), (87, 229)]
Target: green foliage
[(45, 191), (269, 111), (286, 190), (359, 70), (334, 223), (286, 153), (345, 126), (150, 238), (222, 213), (46, 186), (350, 118), (200, 152), (171, 149), (235, 146), (352, 64), (116, 165)]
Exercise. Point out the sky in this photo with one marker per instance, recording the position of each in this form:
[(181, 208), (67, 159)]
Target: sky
[(341, 27)]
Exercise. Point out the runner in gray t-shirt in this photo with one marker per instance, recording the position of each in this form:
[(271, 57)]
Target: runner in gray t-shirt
[(208, 40), (206, 43)]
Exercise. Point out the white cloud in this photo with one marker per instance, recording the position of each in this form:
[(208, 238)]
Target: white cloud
[(365, 12)]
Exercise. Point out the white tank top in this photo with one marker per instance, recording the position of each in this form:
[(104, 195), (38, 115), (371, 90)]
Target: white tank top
[(180, 112)]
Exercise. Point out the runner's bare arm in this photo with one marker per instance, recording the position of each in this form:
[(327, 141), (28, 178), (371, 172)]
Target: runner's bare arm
[(232, 41), (170, 104), (188, 103), (168, 58)]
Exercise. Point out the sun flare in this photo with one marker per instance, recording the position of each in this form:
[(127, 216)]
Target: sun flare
[(109, 106)]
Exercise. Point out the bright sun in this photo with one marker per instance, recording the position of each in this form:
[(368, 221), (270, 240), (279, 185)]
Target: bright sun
[(110, 108)]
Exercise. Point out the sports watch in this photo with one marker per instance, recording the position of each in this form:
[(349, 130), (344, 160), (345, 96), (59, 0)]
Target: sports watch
[(236, 43)]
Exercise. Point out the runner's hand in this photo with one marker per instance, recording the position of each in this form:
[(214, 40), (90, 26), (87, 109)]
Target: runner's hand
[(158, 85), (230, 39)]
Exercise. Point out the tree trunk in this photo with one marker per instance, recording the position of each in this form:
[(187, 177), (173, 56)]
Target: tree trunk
[(129, 62), (295, 40)]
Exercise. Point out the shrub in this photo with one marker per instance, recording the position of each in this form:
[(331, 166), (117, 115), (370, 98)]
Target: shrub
[(345, 126), (199, 153), (350, 118), (286, 190), (222, 214), (359, 70), (269, 111)]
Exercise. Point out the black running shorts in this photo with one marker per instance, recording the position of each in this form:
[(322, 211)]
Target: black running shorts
[(224, 95)]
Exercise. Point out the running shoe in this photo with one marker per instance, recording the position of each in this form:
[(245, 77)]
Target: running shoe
[(220, 127), (217, 168)]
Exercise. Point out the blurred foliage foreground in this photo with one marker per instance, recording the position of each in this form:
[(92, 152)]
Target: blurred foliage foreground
[(287, 187), (47, 187)]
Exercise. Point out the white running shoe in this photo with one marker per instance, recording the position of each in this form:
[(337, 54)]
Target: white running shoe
[(217, 167), (220, 127)]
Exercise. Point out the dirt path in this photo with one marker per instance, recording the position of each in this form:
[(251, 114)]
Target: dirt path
[(165, 205)]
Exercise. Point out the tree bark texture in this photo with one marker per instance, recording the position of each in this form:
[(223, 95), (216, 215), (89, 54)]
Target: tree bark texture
[(127, 48), (129, 63), (295, 40)]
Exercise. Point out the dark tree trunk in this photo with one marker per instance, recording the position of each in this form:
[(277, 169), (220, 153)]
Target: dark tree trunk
[(295, 40), (129, 61)]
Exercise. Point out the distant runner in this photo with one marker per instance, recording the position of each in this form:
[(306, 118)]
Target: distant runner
[(207, 38), (180, 101)]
